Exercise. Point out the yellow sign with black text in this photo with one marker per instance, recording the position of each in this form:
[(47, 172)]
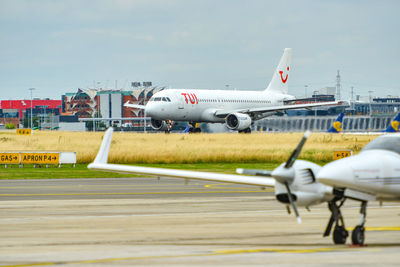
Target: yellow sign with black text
[(24, 131), (339, 154), (9, 158), (40, 158)]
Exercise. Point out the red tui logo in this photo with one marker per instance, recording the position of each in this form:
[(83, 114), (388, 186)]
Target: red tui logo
[(281, 72)]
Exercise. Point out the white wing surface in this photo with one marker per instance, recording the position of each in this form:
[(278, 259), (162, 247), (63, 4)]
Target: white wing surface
[(100, 163), (224, 113), (129, 105)]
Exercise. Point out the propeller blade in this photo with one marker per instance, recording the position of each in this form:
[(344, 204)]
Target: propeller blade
[(254, 172), (289, 163), (292, 203)]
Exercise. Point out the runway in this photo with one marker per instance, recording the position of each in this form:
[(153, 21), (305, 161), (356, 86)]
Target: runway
[(143, 221)]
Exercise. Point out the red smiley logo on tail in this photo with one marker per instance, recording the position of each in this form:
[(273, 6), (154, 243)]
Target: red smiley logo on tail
[(281, 72)]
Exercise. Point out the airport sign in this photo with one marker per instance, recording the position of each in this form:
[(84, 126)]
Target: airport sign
[(339, 154), (24, 131), (40, 158), (9, 158)]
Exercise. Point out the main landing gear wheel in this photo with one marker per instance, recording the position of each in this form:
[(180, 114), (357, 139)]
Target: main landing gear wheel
[(247, 130), (340, 235), (358, 235), (194, 128)]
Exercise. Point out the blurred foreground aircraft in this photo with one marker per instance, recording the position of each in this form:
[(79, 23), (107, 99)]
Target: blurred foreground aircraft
[(295, 181)]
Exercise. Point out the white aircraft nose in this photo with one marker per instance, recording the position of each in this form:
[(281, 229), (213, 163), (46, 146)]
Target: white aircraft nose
[(150, 110), (337, 173)]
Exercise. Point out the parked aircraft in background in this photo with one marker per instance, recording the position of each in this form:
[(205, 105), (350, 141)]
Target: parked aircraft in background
[(337, 124), (238, 109), (394, 125), (374, 174)]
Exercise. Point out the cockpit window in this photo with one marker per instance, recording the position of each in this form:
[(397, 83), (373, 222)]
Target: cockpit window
[(168, 100), (157, 99), (389, 142)]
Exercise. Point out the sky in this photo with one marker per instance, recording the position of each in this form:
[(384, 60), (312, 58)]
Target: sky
[(59, 46)]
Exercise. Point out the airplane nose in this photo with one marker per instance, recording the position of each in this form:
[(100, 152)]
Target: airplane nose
[(337, 173), (150, 110)]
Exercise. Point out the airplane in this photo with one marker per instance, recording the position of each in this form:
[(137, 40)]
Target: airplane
[(238, 109), (393, 127), (337, 124), (295, 181), (372, 175)]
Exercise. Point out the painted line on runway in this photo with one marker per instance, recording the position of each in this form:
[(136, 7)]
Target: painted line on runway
[(130, 193), (227, 186), (213, 253), (90, 185), (379, 228)]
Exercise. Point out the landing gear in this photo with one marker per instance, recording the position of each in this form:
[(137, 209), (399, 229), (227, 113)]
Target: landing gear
[(358, 235), (247, 130), (340, 233), (170, 124), (194, 127)]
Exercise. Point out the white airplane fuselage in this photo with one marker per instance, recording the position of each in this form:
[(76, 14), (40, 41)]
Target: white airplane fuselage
[(201, 105), (374, 171)]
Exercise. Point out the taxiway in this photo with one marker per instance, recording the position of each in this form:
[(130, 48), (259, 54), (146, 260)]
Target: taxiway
[(143, 221)]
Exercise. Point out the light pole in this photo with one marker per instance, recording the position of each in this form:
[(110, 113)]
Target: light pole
[(31, 89), (370, 106)]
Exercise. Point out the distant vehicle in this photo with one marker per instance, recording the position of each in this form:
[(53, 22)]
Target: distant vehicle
[(238, 109)]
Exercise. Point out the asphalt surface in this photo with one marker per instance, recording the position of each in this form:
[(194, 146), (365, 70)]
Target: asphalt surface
[(143, 221), (119, 188)]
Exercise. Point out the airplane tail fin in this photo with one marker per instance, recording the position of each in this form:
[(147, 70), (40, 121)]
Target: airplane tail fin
[(279, 82), (102, 155), (394, 125), (337, 124)]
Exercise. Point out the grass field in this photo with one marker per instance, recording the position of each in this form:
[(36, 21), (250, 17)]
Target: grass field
[(134, 148)]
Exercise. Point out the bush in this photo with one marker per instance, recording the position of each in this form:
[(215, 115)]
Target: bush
[(10, 126)]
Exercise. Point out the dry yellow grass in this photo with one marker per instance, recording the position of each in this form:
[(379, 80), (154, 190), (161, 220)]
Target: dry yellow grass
[(184, 148)]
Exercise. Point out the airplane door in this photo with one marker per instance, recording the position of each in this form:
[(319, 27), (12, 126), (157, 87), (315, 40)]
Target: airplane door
[(180, 102)]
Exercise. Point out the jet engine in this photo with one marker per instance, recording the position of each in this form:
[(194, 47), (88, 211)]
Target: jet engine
[(159, 125), (238, 121)]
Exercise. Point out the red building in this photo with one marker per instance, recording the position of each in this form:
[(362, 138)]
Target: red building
[(22, 105)]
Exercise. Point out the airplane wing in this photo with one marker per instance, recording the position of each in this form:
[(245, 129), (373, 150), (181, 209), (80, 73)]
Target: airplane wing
[(224, 113), (129, 105), (100, 163)]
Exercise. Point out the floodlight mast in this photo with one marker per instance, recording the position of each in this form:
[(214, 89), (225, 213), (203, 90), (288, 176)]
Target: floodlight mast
[(31, 89)]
